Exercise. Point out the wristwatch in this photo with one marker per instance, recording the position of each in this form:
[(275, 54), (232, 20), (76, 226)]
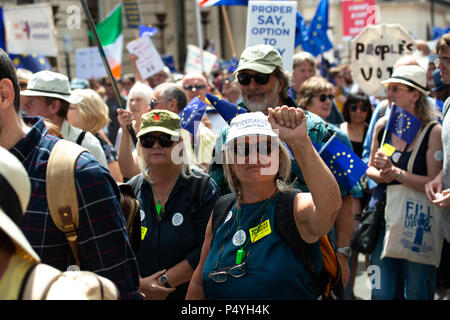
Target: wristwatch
[(164, 280), (346, 251)]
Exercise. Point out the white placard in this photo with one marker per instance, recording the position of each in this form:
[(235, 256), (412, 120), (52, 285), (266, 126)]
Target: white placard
[(149, 61), (273, 23), (194, 62), (375, 51), (29, 29), (89, 64)]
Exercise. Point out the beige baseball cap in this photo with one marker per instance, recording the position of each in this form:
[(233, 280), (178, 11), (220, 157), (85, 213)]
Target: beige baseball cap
[(260, 58)]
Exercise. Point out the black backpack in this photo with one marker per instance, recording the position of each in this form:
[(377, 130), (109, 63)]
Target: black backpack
[(328, 283)]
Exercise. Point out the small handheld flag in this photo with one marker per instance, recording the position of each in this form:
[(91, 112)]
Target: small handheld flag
[(193, 112), (225, 108), (403, 124)]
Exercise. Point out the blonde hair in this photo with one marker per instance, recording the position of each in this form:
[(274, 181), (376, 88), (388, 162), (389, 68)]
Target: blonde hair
[(186, 155), (281, 178), (310, 88), (93, 111)]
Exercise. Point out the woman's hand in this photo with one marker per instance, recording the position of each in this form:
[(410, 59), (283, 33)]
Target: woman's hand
[(382, 161), (151, 289), (289, 122), (125, 118)]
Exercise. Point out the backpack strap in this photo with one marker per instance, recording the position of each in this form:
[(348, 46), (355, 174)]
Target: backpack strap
[(81, 137), (136, 182), (38, 281), (62, 201), (197, 191), (221, 208)]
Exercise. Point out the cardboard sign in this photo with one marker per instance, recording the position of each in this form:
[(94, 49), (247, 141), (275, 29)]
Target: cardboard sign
[(89, 64), (149, 61), (194, 60), (29, 29), (273, 23), (375, 51), (356, 15)]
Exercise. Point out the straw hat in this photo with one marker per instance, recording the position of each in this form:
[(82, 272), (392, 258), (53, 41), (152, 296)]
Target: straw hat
[(15, 190), (410, 75)]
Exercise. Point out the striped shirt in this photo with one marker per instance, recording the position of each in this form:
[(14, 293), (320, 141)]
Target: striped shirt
[(102, 236)]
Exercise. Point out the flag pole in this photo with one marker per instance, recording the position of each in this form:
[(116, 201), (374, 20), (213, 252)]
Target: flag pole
[(228, 29), (327, 143), (385, 129), (200, 33), (106, 64)]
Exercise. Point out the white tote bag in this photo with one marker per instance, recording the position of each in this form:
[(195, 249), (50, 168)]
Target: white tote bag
[(412, 222)]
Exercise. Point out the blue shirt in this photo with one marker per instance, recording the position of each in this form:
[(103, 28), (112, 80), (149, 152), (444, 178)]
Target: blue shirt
[(177, 236), (102, 235), (272, 270)]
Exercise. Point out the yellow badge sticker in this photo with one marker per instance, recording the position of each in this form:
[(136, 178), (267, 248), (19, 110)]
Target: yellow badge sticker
[(143, 232), (264, 230), (387, 149)]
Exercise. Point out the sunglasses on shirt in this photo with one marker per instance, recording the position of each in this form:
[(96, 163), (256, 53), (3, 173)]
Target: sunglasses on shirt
[(260, 78), (244, 149), (323, 97), (164, 140)]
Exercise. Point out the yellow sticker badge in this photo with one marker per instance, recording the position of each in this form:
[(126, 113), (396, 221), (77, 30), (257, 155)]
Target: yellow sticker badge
[(387, 149), (264, 230), (143, 232)]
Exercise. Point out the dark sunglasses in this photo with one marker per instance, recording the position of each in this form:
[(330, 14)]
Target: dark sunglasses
[(260, 78), (196, 87), (164, 140), (243, 149), (362, 108), (154, 102), (323, 97)]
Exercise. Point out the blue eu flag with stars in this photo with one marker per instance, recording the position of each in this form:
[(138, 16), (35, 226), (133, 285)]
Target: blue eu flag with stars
[(32, 62), (343, 163), (225, 108), (403, 124), (192, 113), (318, 41)]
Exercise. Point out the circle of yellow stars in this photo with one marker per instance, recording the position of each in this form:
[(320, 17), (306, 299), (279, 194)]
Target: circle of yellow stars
[(408, 124), (335, 171)]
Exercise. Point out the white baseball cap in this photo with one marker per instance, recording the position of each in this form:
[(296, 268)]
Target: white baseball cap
[(249, 124)]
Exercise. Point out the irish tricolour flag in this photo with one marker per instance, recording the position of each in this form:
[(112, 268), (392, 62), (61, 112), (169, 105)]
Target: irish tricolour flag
[(111, 37)]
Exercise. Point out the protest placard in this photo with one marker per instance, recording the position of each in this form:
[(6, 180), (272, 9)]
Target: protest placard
[(375, 51), (273, 23), (356, 15), (29, 29), (149, 61), (194, 60), (89, 64)]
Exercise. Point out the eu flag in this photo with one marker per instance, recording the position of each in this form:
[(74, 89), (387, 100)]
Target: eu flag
[(318, 41), (192, 113), (343, 163), (147, 31), (225, 108), (301, 30), (32, 62), (403, 124)]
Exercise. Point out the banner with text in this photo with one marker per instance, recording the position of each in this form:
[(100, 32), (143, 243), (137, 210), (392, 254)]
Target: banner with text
[(273, 23), (149, 61), (29, 29), (89, 64), (194, 60), (356, 15)]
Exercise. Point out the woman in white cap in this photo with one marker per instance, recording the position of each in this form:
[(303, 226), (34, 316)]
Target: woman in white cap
[(246, 257), (407, 90), (22, 276)]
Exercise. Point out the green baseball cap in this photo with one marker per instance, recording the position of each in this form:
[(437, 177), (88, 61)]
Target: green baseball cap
[(260, 58), (160, 121)]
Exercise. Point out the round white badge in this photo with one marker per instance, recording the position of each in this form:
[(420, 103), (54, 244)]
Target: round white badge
[(239, 238), (439, 155), (396, 156), (177, 219), (142, 215)]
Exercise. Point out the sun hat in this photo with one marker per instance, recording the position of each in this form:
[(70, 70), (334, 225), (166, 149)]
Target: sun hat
[(249, 124), (260, 58), (438, 84), (15, 190), (50, 84), (160, 121), (410, 75)]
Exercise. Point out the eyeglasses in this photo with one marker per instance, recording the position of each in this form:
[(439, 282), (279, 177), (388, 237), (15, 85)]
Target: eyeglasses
[(196, 87), (443, 60), (260, 78), (236, 271), (395, 89), (164, 140), (323, 97), (243, 149), (154, 102), (362, 108)]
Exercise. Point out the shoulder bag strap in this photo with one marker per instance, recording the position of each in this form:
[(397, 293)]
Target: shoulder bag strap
[(418, 144)]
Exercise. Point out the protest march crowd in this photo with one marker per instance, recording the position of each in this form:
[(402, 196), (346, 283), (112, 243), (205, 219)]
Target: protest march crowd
[(250, 182)]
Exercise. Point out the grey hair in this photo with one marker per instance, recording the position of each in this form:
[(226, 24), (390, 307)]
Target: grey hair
[(286, 76)]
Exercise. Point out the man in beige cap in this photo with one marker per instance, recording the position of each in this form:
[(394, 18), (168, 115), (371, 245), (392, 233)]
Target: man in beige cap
[(264, 83), (48, 95), (104, 247)]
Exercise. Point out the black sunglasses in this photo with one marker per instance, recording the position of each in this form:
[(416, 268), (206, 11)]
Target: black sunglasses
[(323, 97), (354, 107), (196, 87), (260, 78), (164, 140), (243, 149)]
